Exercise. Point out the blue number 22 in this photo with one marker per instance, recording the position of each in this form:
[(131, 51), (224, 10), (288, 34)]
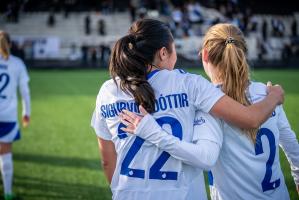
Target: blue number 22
[(155, 169), (266, 183), (5, 78)]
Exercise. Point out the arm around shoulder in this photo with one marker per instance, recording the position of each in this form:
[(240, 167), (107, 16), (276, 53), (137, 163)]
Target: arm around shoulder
[(248, 117)]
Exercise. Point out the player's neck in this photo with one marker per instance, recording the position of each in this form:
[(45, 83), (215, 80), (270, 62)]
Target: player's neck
[(153, 67), (216, 82)]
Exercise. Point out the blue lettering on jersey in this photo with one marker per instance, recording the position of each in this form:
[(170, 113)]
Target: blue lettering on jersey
[(267, 183), (163, 102), (4, 81)]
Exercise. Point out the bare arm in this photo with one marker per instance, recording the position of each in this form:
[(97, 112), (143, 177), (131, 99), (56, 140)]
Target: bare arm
[(108, 155), (248, 117)]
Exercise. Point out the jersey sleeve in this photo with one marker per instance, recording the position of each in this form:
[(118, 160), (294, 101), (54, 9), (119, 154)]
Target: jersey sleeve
[(98, 122), (23, 85), (207, 127), (289, 143), (25, 93), (201, 154), (204, 93), (23, 77)]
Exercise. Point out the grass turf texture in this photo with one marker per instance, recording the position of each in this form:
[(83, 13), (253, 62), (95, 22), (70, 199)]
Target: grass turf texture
[(58, 157)]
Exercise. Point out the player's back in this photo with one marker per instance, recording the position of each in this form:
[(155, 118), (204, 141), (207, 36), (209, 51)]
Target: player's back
[(246, 170), (142, 170), (12, 73)]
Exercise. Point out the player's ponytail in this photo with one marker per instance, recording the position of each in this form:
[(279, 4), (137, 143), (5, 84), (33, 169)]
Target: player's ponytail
[(133, 55), (4, 45), (227, 50)]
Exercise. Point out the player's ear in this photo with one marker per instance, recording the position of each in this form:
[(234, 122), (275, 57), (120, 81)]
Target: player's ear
[(205, 55), (163, 53)]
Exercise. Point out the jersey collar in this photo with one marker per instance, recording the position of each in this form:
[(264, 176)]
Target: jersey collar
[(152, 73)]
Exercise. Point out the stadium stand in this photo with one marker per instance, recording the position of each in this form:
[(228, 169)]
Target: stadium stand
[(72, 31)]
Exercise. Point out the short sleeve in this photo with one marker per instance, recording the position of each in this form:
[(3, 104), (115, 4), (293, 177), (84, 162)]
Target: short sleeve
[(100, 126), (207, 127), (204, 93), (98, 122)]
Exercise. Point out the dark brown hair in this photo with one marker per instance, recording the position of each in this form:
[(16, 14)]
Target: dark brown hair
[(134, 53)]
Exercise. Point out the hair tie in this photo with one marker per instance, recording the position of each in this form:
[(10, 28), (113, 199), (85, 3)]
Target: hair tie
[(132, 41), (230, 40), (130, 46)]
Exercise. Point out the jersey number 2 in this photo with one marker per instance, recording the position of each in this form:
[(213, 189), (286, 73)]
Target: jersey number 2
[(266, 183), (155, 170), (5, 79)]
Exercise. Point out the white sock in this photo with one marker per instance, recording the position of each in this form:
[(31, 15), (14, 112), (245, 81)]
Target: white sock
[(6, 166)]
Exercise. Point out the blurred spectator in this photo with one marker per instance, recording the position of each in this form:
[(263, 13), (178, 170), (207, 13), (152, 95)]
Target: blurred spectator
[(246, 20), (67, 7), (107, 6), (12, 12), (142, 12), (194, 12), (101, 27), (253, 24), (215, 21), (277, 27), (294, 28), (51, 19), (84, 52), (286, 52), (133, 5), (74, 53), (262, 47), (265, 30), (165, 7), (93, 55), (178, 30), (87, 25), (177, 15), (186, 25), (28, 49), (104, 53), (281, 28)]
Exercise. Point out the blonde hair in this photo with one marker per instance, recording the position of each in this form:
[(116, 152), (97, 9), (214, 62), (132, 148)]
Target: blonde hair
[(4, 45), (226, 48)]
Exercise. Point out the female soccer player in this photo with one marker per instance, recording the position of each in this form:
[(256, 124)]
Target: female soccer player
[(140, 66), (13, 75), (248, 166)]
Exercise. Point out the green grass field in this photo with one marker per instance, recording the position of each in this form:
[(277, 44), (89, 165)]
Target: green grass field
[(58, 156)]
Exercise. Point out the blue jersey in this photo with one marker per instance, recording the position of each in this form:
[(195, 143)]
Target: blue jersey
[(143, 171)]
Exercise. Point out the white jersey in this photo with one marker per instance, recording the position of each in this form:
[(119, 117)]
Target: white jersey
[(247, 171), (142, 170), (13, 74)]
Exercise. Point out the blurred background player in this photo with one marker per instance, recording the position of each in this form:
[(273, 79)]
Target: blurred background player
[(13, 75)]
